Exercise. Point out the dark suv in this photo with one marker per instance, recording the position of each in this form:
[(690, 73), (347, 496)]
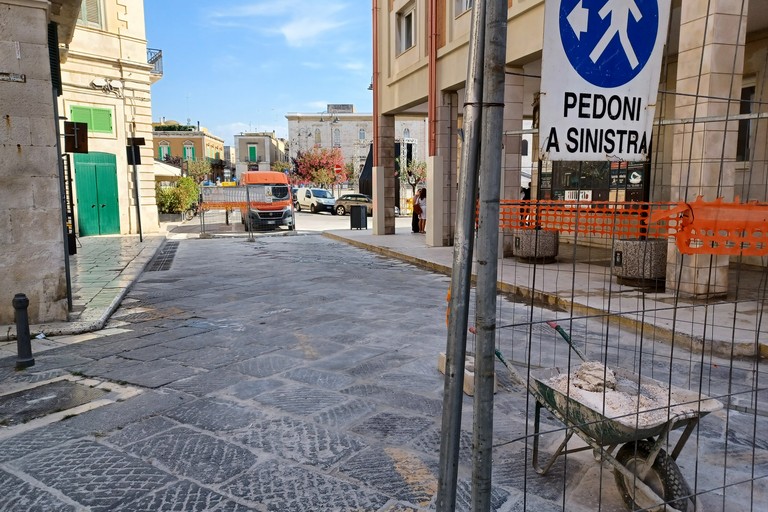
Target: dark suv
[(345, 203)]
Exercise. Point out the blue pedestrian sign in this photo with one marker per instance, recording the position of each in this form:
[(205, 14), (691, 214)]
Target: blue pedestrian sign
[(600, 70), (608, 46)]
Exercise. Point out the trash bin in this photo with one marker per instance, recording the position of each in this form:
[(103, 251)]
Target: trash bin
[(358, 218)]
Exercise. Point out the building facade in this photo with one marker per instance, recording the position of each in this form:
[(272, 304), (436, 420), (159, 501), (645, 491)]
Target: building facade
[(258, 151), (77, 61), (32, 230), (172, 140), (106, 76), (714, 69), (340, 126)]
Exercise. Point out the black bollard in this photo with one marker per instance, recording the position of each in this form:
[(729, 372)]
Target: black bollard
[(23, 342)]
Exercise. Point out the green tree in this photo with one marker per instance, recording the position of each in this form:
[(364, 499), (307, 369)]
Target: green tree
[(281, 166), (413, 174), (198, 169), (178, 198), (352, 174), (189, 191)]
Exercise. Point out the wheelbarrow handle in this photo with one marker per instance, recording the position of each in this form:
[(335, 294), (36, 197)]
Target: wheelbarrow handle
[(567, 338)]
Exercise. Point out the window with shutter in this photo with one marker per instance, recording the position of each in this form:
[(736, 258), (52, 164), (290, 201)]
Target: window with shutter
[(80, 115), (102, 120), (90, 13), (99, 119), (189, 151), (252, 153)]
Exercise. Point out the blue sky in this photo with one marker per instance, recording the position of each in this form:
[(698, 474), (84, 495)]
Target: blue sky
[(240, 65)]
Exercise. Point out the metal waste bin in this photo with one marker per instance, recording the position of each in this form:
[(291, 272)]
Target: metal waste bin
[(358, 218)]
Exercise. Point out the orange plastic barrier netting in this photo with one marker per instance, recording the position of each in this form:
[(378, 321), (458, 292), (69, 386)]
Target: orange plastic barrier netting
[(716, 227), (625, 220), (223, 205)]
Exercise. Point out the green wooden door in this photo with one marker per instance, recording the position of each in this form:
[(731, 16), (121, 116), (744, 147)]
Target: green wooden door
[(97, 202)]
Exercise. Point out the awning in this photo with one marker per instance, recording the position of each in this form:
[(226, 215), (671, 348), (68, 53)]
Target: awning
[(163, 170)]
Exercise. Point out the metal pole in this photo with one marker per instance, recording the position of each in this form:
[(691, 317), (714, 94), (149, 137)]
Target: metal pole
[(63, 197), (248, 226), (458, 307), (487, 249), (23, 342), (136, 179)]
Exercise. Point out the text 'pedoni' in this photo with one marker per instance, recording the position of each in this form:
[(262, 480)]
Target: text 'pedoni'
[(599, 106)]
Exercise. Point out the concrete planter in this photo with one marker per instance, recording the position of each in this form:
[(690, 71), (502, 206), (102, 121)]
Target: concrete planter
[(640, 263), (539, 245)]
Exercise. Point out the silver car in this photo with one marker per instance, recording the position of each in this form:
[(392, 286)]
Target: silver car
[(345, 203)]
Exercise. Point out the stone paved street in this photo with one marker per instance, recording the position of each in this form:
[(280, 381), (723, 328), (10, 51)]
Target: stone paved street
[(299, 373)]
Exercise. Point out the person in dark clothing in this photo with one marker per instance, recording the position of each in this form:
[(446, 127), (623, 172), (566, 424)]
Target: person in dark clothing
[(414, 215), (525, 195)]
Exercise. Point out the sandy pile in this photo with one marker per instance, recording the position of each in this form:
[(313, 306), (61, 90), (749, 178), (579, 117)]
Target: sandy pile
[(621, 399)]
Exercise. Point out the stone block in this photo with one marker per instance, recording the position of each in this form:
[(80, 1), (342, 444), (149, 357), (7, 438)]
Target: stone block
[(469, 373), (540, 245), (24, 24), (35, 61), (30, 99)]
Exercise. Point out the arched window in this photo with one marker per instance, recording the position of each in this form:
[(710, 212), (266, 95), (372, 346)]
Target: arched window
[(189, 150), (361, 134), (336, 138), (318, 139), (164, 150), (406, 133)]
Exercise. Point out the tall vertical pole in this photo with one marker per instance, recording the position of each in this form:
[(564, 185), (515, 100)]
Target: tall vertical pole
[(137, 199), (461, 275), (134, 157), (63, 199), (494, 57)]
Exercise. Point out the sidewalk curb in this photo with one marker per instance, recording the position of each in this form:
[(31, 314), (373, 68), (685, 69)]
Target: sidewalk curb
[(692, 343), (92, 324)]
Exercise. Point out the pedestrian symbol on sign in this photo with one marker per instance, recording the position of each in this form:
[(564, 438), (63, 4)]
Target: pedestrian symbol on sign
[(608, 42)]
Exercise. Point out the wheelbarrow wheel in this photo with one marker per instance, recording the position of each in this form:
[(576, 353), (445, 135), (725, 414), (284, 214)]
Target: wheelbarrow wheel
[(663, 477)]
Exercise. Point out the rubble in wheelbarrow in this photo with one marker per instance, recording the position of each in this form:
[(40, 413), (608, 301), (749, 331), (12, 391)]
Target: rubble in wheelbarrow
[(594, 376), (616, 397)]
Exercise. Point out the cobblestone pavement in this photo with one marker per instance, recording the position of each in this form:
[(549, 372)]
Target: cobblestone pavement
[(299, 373)]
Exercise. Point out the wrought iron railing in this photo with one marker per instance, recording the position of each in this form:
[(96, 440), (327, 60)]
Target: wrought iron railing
[(155, 57)]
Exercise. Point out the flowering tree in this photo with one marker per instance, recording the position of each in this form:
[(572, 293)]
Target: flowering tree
[(319, 166), (413, 174)]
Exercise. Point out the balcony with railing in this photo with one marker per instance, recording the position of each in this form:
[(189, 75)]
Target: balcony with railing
[(155, 58)]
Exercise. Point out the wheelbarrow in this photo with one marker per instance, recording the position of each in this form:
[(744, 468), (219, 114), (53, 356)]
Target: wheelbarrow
[(647, 476)]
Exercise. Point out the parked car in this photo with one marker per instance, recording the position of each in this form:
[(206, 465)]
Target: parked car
[(315, 200), (345, 203)]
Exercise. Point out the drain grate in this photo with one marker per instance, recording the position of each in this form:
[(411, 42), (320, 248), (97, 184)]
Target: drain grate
[(164, 257), (40, 401)]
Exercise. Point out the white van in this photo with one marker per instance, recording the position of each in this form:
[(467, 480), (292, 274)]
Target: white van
[(315, 200)]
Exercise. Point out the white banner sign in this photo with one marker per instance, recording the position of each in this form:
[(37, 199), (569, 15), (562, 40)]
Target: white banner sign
[(599, 80)]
